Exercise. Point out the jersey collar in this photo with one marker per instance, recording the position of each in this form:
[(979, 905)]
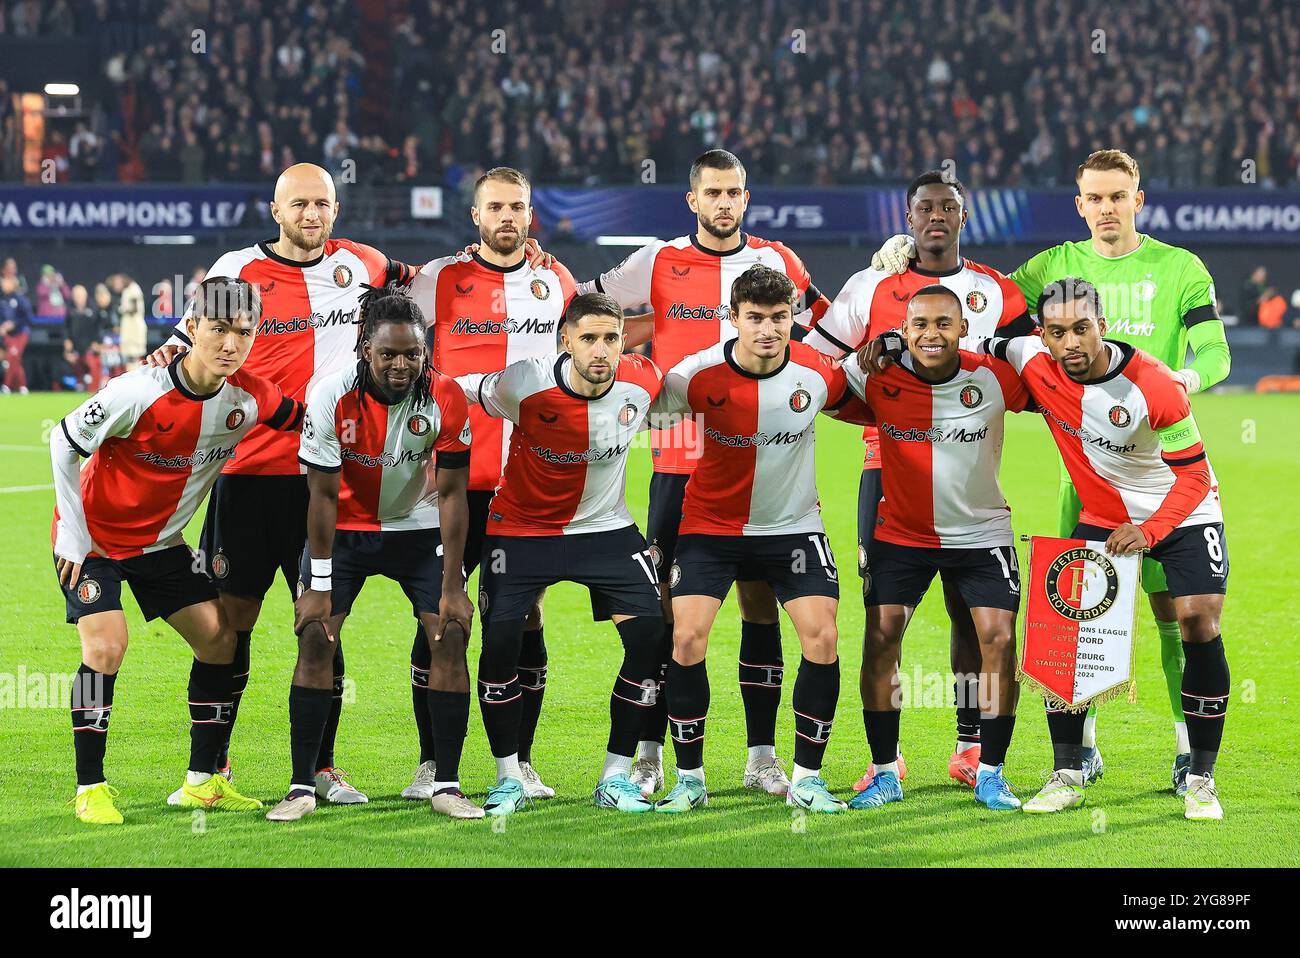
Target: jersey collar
[(498, 269), (936, 273), (265, 247), (174, 370), (728, 353), (562, 380), (906, 363), (744, 242), (1126, 354)]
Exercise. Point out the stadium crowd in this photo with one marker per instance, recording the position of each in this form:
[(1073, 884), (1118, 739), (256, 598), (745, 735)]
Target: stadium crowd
[(842, 92)]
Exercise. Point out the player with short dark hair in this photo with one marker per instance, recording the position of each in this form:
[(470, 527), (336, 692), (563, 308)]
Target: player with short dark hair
[(751, 512), (156, 439), (1124, 427), (560, 514), (367, 442), (939, 412), (874, 300), (687, 282)]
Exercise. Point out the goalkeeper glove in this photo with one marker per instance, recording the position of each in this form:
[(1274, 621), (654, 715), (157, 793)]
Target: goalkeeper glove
[(893, 257), (1190, 378)]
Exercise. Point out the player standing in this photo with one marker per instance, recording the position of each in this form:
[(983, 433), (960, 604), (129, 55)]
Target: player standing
[(940, 413), (367, 441), (687, 282), (1157, 297), (751, 512), (560, 514), (156, 439), (875, 300), (256, 522), (488, 310), (1125, 430)]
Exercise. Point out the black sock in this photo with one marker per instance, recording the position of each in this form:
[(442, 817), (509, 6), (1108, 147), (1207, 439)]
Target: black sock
[(92, 705), (636, 687), (309, 710), (498, 685), (688, 706), (325, 758), (995, 738), (243, 640), (968, 709), (882, 735), (654, 724), (532, 688), (816, 690), (1207, 684), (210, 691), (449, 716), (1066, 729), (421, 659), (761, 671)]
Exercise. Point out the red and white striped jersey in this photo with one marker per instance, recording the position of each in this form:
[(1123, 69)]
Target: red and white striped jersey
[(756, 474), (873, 302), (941, 449), (156, 447), (383, 451), (1128, 438), (689, 289), (567, 468), (307, 331), (484, 318)]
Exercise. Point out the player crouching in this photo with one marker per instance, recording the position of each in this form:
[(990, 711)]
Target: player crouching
[(156, 439), (367, 440)]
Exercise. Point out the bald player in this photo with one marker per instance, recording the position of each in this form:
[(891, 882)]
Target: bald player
[(256, 522)]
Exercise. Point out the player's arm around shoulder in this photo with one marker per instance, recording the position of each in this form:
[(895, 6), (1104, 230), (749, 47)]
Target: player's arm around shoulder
[(499, 394)]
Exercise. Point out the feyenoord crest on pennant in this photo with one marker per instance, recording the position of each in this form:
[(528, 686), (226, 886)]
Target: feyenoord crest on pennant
[(1078, 633), (342, 277)]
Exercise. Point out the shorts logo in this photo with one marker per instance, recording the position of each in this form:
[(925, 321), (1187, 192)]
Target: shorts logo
[(482, 602), (220, 565), (627, 415), (862, 556), (418, 425), (1082, 584), (971, 396), (976, 301), (88, 592), (93, 414), (1119, 416), (302, 587), (800, 400), (342, 277), (235, 419), (539, 289), (674, 576), (656, 555)]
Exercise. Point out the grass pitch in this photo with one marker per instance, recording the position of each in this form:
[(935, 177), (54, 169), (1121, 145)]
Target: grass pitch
[(1131, 819)]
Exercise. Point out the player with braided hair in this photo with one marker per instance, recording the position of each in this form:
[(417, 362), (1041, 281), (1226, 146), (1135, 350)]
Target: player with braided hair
[(368, 438)]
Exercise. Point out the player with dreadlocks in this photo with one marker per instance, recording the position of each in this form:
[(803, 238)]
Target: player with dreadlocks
[(368, 438)]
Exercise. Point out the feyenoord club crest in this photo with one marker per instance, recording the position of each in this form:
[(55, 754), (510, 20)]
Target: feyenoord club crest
[(800, 400), (971, 396), (539, 289), (1081, 584), (656, 555), (342, 277), (862, 556), (220, 565), (627, 415), (88, 592), (418, 425), (674, 576), (1119, 416), (235, 419), (976, 301), (482, 602)]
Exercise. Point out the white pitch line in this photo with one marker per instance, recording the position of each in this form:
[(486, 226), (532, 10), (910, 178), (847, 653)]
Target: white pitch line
[(7, 448), (26, 488)]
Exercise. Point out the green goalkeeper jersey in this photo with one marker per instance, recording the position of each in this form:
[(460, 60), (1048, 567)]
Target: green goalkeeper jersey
[(1152, 296)]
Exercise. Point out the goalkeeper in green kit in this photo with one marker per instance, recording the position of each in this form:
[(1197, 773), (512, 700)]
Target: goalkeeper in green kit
[(1157, 297)]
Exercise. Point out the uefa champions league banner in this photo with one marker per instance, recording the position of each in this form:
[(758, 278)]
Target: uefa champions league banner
[(997, 215), (1079, 622), (107, 210)]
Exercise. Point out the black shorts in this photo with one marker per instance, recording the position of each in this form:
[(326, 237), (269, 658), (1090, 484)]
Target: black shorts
[(870, 492), (986, 578), (667, 490), (411, 558), (615, 566), (795, 565), (1195, 558), (162, 582), (479, 501), (255, 526)]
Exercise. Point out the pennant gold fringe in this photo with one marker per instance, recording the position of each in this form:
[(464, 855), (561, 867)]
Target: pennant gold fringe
[(1128, 689)]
